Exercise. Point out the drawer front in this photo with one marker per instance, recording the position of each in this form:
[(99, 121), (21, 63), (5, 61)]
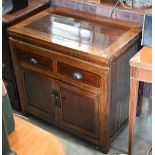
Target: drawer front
[(28, 60), (78, 74)]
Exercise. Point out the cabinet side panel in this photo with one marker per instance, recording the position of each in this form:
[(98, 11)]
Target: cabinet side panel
[(120, 82)]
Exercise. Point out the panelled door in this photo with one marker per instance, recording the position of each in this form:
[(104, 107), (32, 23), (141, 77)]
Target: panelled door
[(79, 109), (40, 93)]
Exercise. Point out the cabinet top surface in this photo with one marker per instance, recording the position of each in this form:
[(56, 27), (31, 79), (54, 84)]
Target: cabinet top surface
[(86, 33)]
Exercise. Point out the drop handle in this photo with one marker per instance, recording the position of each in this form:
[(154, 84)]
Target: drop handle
[(33, 60), (77, 75), (56, 98)]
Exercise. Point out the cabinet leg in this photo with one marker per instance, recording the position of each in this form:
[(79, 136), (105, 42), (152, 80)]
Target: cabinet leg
[(105, 150), (132, 111), (105, 147)]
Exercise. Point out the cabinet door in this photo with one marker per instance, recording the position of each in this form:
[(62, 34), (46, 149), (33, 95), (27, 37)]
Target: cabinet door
[(39, 93), (79, 110)]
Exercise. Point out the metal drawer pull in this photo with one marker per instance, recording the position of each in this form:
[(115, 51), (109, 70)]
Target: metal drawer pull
[(77, 75), (33, 60)]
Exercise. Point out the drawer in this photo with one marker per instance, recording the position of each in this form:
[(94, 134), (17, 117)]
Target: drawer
[(78, 74), (33, 61)]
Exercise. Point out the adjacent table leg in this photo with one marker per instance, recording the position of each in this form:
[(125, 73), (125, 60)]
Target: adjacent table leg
[(140, 70), (132, 110)]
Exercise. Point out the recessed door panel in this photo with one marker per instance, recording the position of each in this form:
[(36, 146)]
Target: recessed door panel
[(79, 109), (39, 93)]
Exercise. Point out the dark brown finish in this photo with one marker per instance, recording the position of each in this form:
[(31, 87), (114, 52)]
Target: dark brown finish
[(33, 7), (140, 70), (71, 71), (109, 1), (120, 73), (34, 61), (39, 93), (79, 109), (91, 78), (83, 30)]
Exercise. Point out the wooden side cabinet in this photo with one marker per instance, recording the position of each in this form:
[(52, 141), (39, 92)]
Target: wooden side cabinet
[(73, 71)]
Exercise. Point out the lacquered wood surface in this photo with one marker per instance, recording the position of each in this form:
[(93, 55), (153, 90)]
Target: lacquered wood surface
[(143, 59), (140, 70), (98, 37), (86, 77), (28, 139), (78, 30), (111, 115), (79, 110), (36, 61), (39, 93), (103, 108), (141, 65)]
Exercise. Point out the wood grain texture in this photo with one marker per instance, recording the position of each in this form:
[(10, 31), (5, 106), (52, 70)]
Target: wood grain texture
[(94, 37), (132, 111), (40, 98), (35, 61), (142, 63), (140, 70), (87, 77), (120, 83), (102, 96), (80, 110), (29, 139), (143, 59)]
